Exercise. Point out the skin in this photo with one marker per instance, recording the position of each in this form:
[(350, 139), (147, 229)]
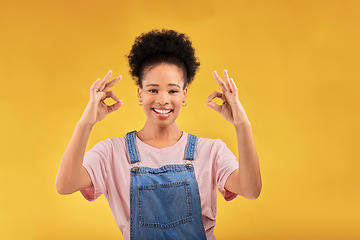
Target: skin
[(246, 180), (163, 89)]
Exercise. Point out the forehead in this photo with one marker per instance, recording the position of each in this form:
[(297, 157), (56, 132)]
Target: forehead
[(163, 74)]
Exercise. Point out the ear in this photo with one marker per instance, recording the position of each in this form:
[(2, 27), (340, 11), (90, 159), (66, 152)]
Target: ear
[(139, 92), (185, 94)]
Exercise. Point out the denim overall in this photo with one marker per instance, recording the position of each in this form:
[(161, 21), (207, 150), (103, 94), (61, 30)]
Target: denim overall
[(164, 202)]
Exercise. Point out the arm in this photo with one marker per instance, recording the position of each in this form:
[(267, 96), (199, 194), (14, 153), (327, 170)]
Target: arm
[(246, 180), (72, 176)]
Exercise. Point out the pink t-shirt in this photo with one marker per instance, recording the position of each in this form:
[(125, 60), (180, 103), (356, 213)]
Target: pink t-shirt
[(108, 165)]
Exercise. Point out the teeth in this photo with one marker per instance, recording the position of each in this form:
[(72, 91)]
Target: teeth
[(162, 111)]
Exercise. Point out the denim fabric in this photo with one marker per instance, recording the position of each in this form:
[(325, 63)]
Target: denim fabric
[(191, 147), (131, 147), (164, 202)]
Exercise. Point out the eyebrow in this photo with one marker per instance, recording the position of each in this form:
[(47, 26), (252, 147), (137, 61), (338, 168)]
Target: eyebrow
[(157, 85)]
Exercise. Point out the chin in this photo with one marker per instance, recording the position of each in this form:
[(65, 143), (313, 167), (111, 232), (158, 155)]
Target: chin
[(163, 124)]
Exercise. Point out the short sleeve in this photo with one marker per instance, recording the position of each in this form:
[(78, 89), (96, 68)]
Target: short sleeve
[(226, 164), (95, 162)]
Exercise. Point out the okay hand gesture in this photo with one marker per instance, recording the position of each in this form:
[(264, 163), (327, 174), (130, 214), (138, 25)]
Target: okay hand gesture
[(97, 109), (231, 108)]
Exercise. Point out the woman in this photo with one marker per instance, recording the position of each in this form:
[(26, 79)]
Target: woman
[(160, 182)]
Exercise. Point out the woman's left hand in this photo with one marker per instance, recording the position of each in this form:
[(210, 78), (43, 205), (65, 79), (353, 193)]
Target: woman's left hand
[(231, 108)]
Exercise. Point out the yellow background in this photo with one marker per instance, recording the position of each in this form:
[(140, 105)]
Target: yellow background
[(296, 64)]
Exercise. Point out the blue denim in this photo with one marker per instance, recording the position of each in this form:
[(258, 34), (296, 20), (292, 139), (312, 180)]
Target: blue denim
[(164, 202)]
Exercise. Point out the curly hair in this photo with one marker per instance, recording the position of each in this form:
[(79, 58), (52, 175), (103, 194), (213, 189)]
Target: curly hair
[(166, 46)]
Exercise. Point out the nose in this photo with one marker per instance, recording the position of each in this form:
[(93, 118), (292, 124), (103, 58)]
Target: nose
[(162, 98)]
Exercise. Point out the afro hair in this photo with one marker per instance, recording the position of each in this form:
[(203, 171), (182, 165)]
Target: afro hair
[(165, 46)]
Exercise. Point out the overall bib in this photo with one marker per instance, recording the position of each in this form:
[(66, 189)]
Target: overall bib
[(164, 202)]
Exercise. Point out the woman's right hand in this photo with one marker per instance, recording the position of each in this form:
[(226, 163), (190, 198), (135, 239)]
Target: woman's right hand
[(96, 110)]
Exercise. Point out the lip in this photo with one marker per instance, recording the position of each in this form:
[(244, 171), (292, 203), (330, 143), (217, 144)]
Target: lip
[(161, 108), (162, 116)]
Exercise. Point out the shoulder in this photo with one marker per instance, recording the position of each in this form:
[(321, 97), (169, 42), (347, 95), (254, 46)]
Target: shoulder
[(211, 145), (210, 142), (108, 146), (110, 152), (116, 141), (110, 142)]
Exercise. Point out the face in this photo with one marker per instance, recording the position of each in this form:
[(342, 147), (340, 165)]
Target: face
[(162, 94)]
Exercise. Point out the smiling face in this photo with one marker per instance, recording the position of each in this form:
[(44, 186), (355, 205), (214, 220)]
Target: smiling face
[(162, 94)]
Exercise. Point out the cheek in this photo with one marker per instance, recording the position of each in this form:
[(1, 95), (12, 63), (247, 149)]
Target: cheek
[(147, 99), (178, 102)]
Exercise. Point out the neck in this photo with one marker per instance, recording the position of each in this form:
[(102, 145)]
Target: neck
[(151, 132)]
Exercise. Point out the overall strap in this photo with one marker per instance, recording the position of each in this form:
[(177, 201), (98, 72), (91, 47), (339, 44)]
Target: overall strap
[(131, 147), (191, 147)]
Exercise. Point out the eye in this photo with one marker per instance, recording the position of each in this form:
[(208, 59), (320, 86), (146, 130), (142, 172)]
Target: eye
[(152, 91), (173, 91)]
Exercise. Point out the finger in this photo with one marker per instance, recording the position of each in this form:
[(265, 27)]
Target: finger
[(215, 94), (213, 106), (114, 107), (227, 81), (219, 81), (112, 83), (111, 94), (233, 85), (92, 88), (103, 82)]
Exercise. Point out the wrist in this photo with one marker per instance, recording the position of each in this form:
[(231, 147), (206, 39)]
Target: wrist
[(244, 123), (85, 124)]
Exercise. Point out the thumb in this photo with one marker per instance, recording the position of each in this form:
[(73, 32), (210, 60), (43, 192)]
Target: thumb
[(115, 106), (213, 106)]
